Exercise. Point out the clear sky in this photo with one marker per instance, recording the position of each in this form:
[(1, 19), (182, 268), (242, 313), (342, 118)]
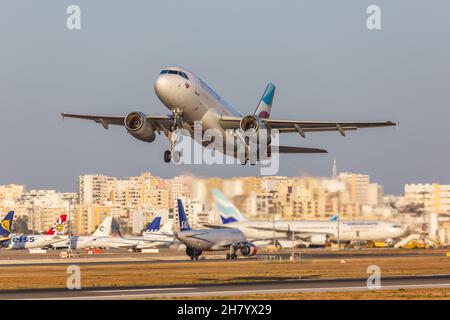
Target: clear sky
[(326, 64)]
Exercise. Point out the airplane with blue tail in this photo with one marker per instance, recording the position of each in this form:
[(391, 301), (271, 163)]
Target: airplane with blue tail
[(5, 230), (217, 239), (307, 232)]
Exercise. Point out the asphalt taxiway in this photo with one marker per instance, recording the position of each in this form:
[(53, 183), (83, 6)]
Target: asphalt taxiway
[(208, 290), (114, 257)]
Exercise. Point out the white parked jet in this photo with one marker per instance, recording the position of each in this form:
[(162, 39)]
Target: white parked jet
[(190, 99), (81, 242), (152, 237), (317, 233), (53, 236)]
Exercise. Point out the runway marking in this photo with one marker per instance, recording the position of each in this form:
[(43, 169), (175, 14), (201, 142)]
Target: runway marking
[(246, 291)]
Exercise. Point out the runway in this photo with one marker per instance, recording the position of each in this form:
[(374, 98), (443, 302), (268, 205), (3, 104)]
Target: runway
[(12, 259), (233, 289)]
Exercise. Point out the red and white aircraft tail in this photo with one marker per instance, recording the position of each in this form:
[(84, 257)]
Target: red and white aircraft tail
[(59, 227)]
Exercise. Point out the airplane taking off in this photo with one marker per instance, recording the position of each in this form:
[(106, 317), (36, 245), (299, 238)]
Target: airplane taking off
[(219, 239), (317, 233), (190, 99), (5, 230)]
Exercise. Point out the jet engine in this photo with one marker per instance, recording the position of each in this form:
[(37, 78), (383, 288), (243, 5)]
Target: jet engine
[(139, 127), (249, 124), (319, 239), (248, 250), (193, 253)]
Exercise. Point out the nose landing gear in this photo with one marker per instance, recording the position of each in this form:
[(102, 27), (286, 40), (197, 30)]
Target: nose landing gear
[(177, 122)]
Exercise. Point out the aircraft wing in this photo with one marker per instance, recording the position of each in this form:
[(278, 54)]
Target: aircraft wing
[(160, 122), (287, 126)]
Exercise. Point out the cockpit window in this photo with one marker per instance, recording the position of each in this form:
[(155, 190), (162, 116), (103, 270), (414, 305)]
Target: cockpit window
[(180, 73)]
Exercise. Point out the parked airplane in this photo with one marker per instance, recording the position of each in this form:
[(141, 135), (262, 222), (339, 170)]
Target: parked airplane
[(152, 237), (81, 242), (5, 230), (52, 236), (162, 234), (317, 233), (190, 99), (219, 239)]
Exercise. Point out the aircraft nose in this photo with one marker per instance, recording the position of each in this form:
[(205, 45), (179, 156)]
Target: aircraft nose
[(162, 87)]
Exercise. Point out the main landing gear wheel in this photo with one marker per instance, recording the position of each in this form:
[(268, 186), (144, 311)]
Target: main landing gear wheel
[(167, 156), (231, 255)]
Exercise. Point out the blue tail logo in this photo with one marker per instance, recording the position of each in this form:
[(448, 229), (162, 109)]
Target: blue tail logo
[(184, 224), (5, 227), (154, 225)]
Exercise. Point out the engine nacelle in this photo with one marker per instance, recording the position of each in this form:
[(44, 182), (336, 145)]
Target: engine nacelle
[(248, 250), (319, 239), (139, 127), (249, 124)]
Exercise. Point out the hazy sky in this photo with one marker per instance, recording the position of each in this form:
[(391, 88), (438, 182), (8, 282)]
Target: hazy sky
[(326, 64)]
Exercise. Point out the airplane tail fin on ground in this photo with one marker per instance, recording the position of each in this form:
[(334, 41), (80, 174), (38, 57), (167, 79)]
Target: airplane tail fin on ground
[(265, 104), (228, 212), (184, 224), (6, 224), (154, 225), (167, 227), (59, 227), (104, 229)]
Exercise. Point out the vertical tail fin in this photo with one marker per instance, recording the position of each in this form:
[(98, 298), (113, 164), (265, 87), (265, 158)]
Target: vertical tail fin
[(228, 212), (59, 227), (6, 225), (104, 229), (265, 104), (184, 224), (334, 217), (167, 227), (154, 225)]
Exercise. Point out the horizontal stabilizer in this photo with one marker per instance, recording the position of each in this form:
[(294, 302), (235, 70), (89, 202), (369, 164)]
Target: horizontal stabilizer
[(289, 149)]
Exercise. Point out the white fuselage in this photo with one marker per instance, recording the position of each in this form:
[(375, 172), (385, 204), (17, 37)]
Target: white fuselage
[(34, 241), (130, 242), (345, 230), (211, 239), (194, 98)]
